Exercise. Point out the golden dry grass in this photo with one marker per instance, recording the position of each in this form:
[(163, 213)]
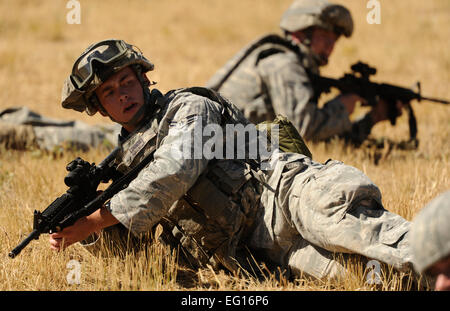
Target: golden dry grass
[(188, 41)]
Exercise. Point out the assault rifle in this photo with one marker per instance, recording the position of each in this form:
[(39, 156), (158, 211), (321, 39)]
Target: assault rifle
[(359, 82), (82, 198)]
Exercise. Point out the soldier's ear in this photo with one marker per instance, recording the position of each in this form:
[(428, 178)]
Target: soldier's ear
[(95, 101)]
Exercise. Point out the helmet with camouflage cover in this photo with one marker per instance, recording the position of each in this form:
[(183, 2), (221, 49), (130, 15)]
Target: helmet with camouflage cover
[(430, 234), (95, 65), (303, 14)]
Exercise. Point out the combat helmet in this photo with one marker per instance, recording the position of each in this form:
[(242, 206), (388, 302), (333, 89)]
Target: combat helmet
[(95, 65), (430, 235), (303, 14)]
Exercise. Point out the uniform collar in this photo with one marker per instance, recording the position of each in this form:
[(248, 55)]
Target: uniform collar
[(155, 103), (308, 60)]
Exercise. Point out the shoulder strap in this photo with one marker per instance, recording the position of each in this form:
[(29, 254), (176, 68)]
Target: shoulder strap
[(213, 95), (272, 38)]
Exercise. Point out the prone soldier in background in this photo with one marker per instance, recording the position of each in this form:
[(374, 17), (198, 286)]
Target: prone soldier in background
[(298, 214), (273, 75), (23, 129)]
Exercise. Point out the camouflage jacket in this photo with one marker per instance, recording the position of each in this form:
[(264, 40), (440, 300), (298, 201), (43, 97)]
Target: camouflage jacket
[(270, 77), (201, 200)]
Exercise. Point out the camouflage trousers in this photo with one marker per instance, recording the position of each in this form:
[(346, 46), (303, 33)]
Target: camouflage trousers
[(313, 212)]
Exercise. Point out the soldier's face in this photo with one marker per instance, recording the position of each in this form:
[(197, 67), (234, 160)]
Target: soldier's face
[(322, 44), (122, 97)]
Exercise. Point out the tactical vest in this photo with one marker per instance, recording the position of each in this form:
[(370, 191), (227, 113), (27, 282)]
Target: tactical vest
[(289, 139), (212, 220), (208, 223)]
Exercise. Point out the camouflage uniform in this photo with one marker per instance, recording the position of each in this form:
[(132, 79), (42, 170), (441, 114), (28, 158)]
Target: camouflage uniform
[(319, 209), (296, 214), (430, 234), (271, 76), (21, 128), (305, 212)]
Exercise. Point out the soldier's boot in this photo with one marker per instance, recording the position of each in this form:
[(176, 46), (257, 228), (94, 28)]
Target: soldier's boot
[(308, 260)]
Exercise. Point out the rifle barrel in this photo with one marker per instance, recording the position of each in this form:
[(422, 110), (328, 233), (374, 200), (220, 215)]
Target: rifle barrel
[(436, 100), (33, 235)]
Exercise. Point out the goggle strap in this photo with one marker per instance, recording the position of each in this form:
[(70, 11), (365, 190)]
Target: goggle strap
[(121, 48)]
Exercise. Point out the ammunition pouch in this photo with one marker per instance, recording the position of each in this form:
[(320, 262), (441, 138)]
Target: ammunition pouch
[(289, 139), (216, 214)]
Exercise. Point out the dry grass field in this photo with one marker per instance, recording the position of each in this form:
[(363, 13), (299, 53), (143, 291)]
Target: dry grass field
[(188, 41)]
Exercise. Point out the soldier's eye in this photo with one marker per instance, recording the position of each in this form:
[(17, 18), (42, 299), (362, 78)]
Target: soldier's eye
[(129, 82), (108, 93)]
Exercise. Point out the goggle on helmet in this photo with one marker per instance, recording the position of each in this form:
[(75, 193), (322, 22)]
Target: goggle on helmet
[(303, 14), (95, 65)]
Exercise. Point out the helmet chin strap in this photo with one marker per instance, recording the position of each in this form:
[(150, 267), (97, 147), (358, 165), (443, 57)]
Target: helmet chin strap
[(318, 59)]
